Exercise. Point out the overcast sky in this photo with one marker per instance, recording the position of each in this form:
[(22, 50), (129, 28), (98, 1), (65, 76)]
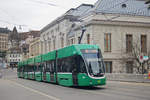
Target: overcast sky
[(34, 14)]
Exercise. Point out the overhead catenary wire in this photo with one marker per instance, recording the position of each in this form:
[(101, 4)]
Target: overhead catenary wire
[(47, 3)]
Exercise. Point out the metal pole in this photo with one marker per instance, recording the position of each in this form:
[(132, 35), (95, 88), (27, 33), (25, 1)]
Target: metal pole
[(83, 30)]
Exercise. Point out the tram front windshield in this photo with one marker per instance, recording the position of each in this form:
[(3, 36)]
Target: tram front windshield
[(94, 62)]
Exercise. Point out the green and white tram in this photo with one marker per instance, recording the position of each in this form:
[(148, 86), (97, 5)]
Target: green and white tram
[(75, 65)]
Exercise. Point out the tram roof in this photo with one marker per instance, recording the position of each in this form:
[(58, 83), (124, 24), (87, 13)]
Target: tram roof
[(49, 56), (74, 50), (38, 59), (30, 61)]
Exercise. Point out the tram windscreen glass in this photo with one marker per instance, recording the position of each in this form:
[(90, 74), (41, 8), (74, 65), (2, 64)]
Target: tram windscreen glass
[(94, 62)]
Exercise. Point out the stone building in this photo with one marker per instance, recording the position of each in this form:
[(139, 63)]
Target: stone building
[(14, 51), (4, 39), (14, 58), (3, 45), (35, 47), (117, 26), (54, 35), (26, 39)]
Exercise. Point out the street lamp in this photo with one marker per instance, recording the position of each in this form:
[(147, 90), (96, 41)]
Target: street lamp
[(83, 31)]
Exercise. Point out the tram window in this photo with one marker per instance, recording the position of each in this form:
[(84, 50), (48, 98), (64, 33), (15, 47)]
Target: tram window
[(38, 68), (44, 67), (47, 69), (66, 64), (81, 67)]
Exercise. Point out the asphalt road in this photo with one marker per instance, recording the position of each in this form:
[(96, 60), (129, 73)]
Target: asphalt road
[(13, 88)]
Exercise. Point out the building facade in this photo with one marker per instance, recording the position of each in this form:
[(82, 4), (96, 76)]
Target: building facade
[(26, 39), (121, 32), (13, 59), (4, 39), (3, 46), (54, 35), (35, 47), (121, 28), (3, 42)]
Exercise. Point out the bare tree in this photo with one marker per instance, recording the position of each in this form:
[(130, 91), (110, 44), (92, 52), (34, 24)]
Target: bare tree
[(134, 56)]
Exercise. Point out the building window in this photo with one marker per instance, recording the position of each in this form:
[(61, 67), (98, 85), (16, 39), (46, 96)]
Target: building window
[(129, 66), (42, 43), (49, 43), (108, 65), (144, 43), (72, 41), (107, 42), (88, 38), (54, 44), (62, 42), (129, 43)]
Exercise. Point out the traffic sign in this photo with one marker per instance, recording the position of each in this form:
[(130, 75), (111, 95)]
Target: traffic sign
[(145, 58), (141, 59)]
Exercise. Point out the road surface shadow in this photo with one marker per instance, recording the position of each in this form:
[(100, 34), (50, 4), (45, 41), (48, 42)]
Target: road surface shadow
[(74, 87), (89, 87)]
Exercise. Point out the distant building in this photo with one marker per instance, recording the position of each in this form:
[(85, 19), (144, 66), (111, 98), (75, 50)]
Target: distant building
[(3, 41), (14, 58), (3, 45), (35, 47), (14, 51), (26, 39)]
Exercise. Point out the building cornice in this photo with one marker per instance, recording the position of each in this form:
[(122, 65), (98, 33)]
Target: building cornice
[(120, 23), (58, 20)]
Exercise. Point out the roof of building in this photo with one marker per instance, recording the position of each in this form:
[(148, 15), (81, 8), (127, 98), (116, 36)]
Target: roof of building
[(80, 10), (4, 30), (73, 14), (128, 7), (34, 33)]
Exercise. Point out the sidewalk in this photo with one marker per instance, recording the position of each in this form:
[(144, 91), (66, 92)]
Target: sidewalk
[(123, 77)]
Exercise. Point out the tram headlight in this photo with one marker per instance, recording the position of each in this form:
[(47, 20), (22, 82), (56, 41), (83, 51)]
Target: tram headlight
[(83, 77)]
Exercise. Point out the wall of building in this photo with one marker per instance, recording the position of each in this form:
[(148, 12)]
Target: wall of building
[(13, 59), (35, 47), (53, 35), (3, 41), (118, 30)]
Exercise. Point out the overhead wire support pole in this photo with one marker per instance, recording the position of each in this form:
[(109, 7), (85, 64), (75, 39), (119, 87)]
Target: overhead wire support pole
[(83, 31)]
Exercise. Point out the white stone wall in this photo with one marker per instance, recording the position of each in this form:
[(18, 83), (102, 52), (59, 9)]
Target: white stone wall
[(56, 32), (118, 28), (14, 57)]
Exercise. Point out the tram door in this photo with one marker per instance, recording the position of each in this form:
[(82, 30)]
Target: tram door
[(74, 71), (44, 72), (52, 71)]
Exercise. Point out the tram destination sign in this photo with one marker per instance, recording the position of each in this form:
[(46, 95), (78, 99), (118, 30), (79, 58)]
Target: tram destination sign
[(89, 51)]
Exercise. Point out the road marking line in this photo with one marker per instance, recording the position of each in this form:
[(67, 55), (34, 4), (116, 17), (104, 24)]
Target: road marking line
[(35, 91)]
